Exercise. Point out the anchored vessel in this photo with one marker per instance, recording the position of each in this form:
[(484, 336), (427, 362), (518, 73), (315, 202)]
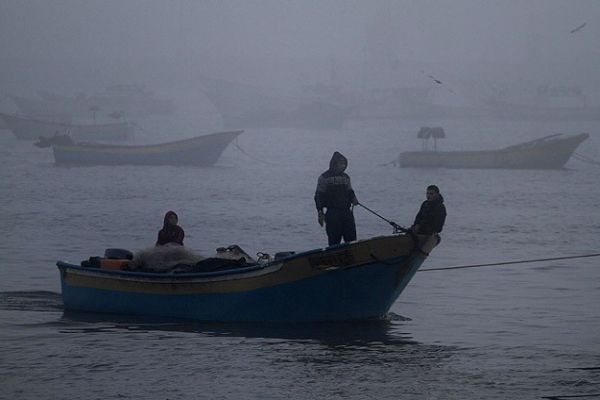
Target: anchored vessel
[(32, 128), (548, 152), (355, 280), (199, 151)]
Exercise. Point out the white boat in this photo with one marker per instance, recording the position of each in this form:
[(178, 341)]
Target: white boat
[(198, 151), (549, 152), (32, 128)]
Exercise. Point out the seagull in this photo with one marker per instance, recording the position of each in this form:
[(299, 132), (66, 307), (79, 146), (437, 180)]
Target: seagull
[(438, 82), (434, 79), (580, 27)]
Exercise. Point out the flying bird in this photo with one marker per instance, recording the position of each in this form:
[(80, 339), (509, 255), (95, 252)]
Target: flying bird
[(438, 81), (580, 27), (434, 79)]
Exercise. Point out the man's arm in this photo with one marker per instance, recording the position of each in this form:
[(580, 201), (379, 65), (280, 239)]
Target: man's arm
[(353, 198), (321, 186), (440, 219)]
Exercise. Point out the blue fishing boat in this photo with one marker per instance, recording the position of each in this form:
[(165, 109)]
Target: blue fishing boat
[(358, 280)]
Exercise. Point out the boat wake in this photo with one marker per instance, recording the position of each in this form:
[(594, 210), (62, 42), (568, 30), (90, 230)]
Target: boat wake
[(31, 301)]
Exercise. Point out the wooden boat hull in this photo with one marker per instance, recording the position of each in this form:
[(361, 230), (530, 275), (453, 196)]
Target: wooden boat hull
[(541, 154), (350, 281), (32, 129), (199, 151)]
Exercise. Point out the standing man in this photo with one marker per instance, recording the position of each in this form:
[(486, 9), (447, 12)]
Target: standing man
[(335, 194), (432, 214)]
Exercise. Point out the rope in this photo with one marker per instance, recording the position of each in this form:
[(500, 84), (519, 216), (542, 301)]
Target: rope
[(235, 143), (511, 262), (585, 158), (574, 396), (393, 163), (392, 223)]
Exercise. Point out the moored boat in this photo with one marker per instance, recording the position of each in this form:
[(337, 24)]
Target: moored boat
[(198, 151), (549, 152), (243, 105), (132, 99), (32, 128), (357, 280)]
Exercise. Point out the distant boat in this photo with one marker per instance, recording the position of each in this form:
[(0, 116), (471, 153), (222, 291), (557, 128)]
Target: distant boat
[(32, 128), (133, 100), (246, 106), (357, 280), (198, 151), (43, 108), (549, 152), (530, 112), (524, 101)]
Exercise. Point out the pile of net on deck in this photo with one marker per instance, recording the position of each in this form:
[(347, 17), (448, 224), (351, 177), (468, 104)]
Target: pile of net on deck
[(178, 259)]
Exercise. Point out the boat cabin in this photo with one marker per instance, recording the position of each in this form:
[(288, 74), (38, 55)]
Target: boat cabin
[(427, 132)]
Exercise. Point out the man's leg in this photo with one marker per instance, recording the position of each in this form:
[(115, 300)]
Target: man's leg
[(348, 226), (333, 226)]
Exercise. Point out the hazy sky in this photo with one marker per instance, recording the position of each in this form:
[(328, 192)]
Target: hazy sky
[(78, 43)]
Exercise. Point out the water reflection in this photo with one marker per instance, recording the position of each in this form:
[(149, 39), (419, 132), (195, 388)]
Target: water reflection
[(346, 333), (336, 334)]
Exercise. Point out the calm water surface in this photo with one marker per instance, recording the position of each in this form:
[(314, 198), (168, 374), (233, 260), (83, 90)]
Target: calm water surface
[(524, 331)]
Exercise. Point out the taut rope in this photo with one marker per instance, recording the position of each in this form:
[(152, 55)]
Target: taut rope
[(511, 262)]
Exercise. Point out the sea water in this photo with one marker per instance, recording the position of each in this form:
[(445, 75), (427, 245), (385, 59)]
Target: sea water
[(518, 331)]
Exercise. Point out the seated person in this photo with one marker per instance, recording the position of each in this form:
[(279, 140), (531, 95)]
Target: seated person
[(432, 214), (170, 232)]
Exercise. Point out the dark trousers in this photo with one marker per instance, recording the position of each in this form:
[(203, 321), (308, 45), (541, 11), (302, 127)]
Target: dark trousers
[(340, 223)]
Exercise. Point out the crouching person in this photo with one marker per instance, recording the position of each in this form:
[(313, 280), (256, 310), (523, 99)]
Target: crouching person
[(432, 215)]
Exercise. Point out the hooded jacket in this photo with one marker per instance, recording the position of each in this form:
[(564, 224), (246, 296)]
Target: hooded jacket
[(170, 233), (431, 216), (334, 190)]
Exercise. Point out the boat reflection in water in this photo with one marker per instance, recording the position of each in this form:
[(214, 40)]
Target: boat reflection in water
[(333, 333)]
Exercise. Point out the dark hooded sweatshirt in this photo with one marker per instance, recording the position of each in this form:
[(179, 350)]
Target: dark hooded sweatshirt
[(334, 190), (170, 233), (431, 216)]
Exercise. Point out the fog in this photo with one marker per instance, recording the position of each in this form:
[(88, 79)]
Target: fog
[(74, 46), (227, 112)]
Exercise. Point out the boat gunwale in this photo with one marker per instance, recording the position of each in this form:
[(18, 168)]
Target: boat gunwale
[(166, 277), (279, 263)]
